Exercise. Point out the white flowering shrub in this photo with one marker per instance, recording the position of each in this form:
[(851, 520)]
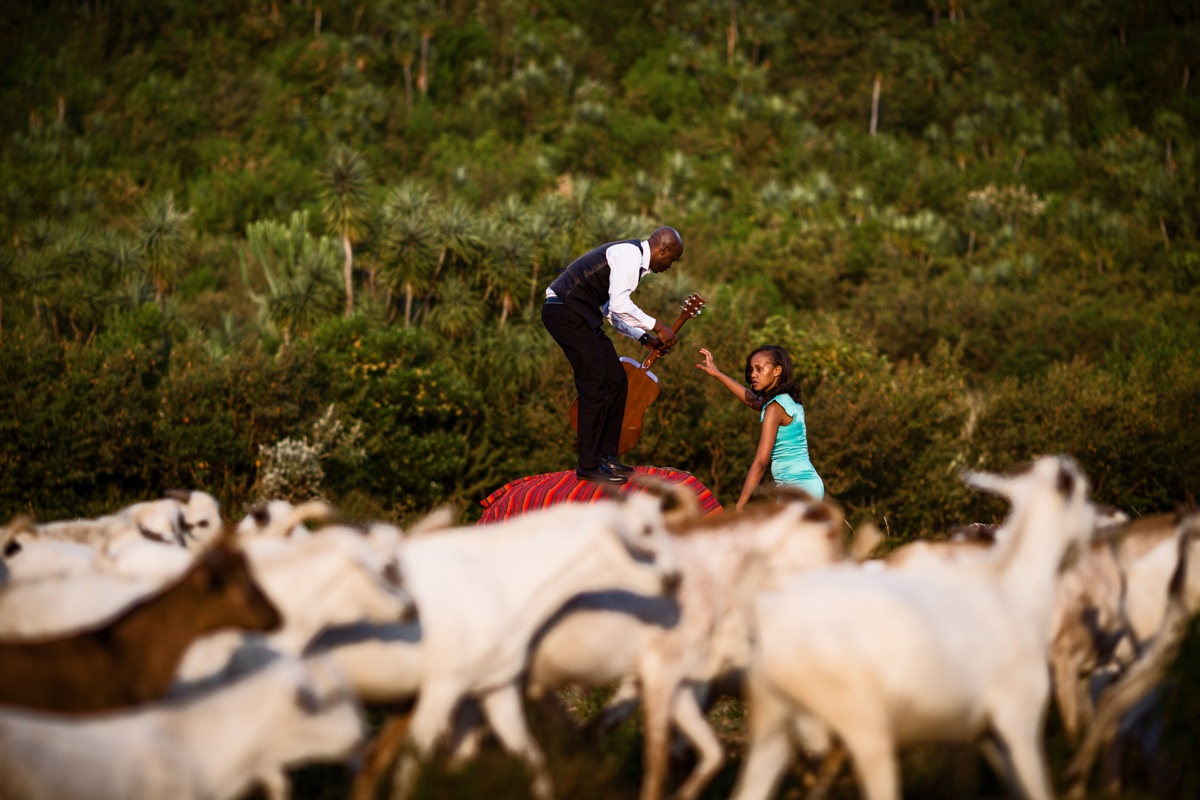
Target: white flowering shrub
[(291, 469)]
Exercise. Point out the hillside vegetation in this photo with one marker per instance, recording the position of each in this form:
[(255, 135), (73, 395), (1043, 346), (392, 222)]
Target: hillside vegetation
[(974, 225)]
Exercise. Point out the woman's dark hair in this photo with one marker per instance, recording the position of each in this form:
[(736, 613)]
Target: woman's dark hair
[(785, 384)]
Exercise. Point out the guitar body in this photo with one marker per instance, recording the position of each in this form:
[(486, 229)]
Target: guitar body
[(643, 384), (643, 390)]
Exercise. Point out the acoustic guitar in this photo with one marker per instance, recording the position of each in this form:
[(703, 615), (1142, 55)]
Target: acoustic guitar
[(643, 384)]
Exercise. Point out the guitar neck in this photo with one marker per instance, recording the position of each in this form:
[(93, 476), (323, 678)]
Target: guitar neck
[(650, 359)]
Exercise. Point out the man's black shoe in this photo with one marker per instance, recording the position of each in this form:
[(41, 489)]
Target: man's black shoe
[(616, 466), (601, 474)]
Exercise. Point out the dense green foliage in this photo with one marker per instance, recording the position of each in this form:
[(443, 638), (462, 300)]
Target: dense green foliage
[(1008, 266)]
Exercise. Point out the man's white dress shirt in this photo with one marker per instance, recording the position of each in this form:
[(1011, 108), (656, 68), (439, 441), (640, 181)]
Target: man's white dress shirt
[(626, 266)]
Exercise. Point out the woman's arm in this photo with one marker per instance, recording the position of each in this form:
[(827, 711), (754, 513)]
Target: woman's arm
[(741, 392), (762, 457)]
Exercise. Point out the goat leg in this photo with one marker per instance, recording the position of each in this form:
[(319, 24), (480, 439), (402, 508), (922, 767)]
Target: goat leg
[(688, 717), (380, 755), (506, 715), (831, 767)]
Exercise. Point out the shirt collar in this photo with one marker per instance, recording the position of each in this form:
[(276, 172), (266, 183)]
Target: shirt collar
[(645, 257)]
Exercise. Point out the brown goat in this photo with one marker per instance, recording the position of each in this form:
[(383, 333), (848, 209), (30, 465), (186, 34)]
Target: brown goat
[(133, 658)]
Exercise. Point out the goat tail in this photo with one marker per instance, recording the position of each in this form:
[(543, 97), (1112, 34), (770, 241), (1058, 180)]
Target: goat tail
[(1146, 672)]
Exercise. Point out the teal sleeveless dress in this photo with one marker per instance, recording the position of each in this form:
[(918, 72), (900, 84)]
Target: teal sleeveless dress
[(789, 458)]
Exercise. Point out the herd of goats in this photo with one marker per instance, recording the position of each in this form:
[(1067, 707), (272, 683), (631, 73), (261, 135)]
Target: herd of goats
[(158, 653)]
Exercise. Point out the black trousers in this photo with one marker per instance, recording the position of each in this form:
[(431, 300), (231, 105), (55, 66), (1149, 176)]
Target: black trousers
[(599, 379)]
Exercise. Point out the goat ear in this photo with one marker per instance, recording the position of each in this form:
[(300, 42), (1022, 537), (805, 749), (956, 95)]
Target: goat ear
[(182, 495), (440, 519), (989, 482), (312, 510), (864, 541), (680, 505), (677, 502)]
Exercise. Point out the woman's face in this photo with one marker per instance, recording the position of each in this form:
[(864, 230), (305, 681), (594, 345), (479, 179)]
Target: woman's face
[(763, 373)]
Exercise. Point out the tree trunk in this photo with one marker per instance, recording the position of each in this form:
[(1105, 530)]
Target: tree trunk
[(971, 245), (505, 304), (732, 35), (348, 274), (432, 283), (423, 75), (408, 86), (408, 293), (1162, 226), (317, 23), (875, 105), (1, 320), (533, 287)]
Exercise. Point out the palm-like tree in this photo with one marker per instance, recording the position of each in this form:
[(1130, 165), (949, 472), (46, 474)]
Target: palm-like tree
[(506, 265), (608, 224), (581, 207), (459, 308), (346, 176), (133, 292), (162, 233), (404, 42), (541, 233), (407, 199), (301, 274), (121, 257), (456, 227), (510, 212), (309, 296), (410, 253), (37, 276)]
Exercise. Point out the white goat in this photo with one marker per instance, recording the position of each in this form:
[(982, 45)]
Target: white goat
[(326, 580), (483, 594), (281, 519), (177, 518), (936, 654), (214, 747), (58, 606), (674, 649)]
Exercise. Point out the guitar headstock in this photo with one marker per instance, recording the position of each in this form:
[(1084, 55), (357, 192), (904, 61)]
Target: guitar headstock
[(693, 306)]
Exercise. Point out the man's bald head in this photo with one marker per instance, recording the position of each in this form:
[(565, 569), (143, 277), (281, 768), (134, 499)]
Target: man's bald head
[(666, 247)]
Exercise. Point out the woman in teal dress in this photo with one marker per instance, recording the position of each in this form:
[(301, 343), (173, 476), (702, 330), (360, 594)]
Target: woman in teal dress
[(783, 443)]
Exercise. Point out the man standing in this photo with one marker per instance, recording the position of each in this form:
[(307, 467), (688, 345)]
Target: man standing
[(596, 286)]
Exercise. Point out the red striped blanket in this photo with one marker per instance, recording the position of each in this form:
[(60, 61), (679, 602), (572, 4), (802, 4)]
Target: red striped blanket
[(542, 491)]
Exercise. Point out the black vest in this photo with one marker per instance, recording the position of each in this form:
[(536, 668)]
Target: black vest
[(583, 285)]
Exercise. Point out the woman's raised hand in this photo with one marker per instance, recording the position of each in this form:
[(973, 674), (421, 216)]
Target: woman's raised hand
[(708, 366)]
